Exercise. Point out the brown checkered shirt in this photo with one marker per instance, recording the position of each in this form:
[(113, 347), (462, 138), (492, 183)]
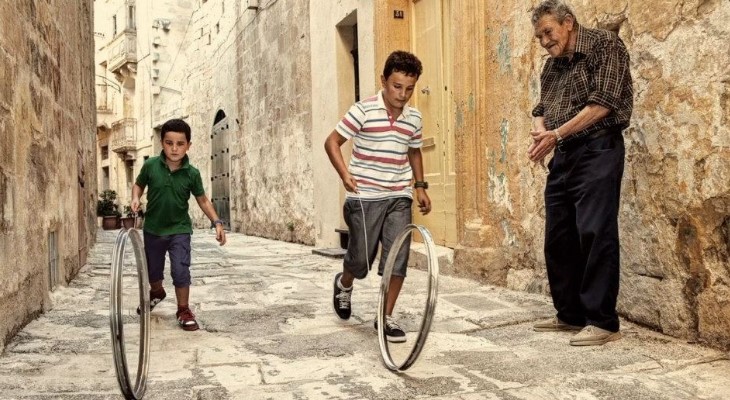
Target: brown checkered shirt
[(598, 73)]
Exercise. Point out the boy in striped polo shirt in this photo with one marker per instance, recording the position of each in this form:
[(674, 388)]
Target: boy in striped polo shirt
[(386, 156)]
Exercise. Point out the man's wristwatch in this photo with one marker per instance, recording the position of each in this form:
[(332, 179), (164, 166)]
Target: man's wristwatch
[(558, 136), (421, 184), (218, 221)]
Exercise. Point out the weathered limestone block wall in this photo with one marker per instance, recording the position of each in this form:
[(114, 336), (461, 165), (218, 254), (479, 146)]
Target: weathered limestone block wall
[(47, 115), (675, 215), (271, 161), (209, 84)]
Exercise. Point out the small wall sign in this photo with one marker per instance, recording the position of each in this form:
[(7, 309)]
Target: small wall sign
[(398, 14)]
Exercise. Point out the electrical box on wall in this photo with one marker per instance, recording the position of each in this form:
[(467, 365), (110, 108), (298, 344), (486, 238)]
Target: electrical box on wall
[(253, 4)]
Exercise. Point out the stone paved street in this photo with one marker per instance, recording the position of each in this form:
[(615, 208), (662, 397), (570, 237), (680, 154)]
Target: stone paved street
[(269, 332)]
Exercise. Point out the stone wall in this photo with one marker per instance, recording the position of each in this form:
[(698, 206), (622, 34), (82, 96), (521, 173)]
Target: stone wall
[(206, 74), (333, 92), (46, 126), (675, 214), (271, 160)]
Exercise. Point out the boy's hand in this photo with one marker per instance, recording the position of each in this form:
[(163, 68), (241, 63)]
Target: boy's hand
[(220, 234), (350, 183), (135, 205), (424, 202)]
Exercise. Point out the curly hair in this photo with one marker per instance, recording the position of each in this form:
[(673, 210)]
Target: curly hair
[(402, 61), (556, 8)]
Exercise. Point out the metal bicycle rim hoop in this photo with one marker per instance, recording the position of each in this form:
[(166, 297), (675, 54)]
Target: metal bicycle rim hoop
[(116, 321), (433, 273)]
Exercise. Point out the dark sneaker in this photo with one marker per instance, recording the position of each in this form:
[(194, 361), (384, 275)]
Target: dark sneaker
[(186, 320), (341, 300), (155, 299), (393, 331)]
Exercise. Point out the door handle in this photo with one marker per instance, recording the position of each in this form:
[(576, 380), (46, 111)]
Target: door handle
[(426, 90)]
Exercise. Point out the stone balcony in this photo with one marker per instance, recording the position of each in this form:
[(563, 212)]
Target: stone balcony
[(122, 53), (124, 136)]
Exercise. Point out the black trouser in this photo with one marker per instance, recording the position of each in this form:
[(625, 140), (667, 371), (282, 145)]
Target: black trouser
[(581, 229)]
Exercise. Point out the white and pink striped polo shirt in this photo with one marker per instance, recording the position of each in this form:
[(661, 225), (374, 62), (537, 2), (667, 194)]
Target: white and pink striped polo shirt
[(379, 159)]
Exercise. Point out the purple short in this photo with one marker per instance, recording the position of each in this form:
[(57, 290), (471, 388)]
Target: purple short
[(178, 247)]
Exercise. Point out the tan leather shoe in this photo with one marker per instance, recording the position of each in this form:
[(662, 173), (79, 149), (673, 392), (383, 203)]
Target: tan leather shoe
[(594, 336), (554, 325)]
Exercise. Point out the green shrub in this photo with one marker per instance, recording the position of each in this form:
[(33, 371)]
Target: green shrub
[(105, 206)]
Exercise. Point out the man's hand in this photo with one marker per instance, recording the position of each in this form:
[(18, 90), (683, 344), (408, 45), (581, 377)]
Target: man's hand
[(220, 234), (350, 183), (424, 202), (543, 142)]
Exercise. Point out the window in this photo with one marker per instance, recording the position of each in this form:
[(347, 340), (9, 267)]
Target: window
[(104, 152), (105, 178), (129, 167), (131, 24), (114, 26), (130, 172), (52, 261)]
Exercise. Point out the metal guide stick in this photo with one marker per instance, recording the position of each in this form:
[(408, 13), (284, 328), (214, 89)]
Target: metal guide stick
[(116, 317), (433, 273)]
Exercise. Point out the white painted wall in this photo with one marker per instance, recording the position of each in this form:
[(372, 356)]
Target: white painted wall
[(331, 99)]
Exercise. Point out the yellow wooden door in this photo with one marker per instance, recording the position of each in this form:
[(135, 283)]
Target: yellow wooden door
[(430, 43)]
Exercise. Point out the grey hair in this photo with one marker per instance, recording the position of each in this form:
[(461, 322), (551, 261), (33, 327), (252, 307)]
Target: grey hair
[(556, 8)]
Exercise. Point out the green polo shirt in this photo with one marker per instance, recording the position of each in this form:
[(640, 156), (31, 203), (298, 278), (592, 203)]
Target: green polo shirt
[(168, 194)]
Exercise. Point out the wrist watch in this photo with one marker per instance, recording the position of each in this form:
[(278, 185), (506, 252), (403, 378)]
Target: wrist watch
[(218, 221), (421, 184)]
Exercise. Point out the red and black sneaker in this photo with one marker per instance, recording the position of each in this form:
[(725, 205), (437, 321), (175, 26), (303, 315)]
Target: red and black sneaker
[(155, 299), (186, 320)]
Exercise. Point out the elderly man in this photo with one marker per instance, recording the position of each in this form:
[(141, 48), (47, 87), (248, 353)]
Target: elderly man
[(586, 101)]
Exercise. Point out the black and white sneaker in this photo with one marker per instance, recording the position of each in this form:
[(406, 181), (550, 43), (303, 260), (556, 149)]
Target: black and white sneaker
[(393, 331), (155, 299), (341, 300)]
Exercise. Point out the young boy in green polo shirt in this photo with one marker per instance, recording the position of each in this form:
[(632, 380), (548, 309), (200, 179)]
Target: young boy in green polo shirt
[(167, 228)]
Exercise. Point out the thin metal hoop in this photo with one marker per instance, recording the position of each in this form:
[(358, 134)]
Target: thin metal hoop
[(116, 318), (433, 274)]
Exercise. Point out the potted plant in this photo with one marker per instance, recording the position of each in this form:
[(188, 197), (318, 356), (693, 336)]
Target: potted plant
[(107, 209), (131, 220)]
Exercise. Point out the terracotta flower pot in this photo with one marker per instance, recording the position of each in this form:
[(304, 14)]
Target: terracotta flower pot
[(128, 222), (110, 222)]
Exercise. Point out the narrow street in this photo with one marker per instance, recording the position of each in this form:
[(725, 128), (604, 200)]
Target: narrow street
[(268, 332)]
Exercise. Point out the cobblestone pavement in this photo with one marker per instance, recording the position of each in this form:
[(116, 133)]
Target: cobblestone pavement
[(268, 332)]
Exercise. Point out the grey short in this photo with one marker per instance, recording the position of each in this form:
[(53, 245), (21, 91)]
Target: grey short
[(178, 248), (384, 220)]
